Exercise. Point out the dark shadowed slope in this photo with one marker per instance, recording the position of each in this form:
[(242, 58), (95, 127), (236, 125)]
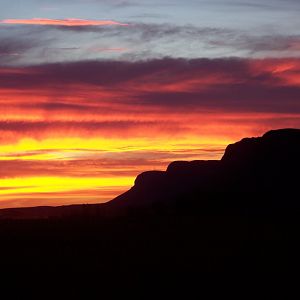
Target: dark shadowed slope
[(255, 175)]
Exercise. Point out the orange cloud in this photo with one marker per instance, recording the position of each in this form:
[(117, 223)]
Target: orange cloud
[(109, 119), (62, 22), (281, 71)]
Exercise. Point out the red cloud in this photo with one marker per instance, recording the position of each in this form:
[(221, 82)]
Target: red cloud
[(62, 22)]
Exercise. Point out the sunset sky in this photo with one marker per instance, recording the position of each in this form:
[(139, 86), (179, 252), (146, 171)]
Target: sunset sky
[(93, 92)]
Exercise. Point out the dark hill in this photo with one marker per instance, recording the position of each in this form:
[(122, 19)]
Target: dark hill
[(254, 174)]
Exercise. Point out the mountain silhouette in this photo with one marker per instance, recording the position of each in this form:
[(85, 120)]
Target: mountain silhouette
[(255, 174), (238, 216), (265, 167)]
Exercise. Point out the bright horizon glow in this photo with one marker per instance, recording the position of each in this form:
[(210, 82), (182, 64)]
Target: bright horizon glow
[(58, 184), (79, 170)]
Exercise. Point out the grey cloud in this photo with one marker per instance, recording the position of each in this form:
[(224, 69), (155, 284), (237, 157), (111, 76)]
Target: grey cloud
[(42, 44)]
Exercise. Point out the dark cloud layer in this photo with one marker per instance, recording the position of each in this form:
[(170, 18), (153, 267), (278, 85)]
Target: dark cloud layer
[(220, 84)]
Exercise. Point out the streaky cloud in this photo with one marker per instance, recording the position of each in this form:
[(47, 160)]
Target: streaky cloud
[(62, 22)]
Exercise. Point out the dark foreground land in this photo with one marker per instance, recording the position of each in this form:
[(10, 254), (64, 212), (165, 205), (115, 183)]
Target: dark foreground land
[(196, 221)]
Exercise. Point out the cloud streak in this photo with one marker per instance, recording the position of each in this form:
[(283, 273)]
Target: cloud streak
[(224, 85), (62, 22)]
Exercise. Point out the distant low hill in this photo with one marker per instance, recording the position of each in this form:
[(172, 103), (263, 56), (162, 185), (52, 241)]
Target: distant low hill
[(255, 175)]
